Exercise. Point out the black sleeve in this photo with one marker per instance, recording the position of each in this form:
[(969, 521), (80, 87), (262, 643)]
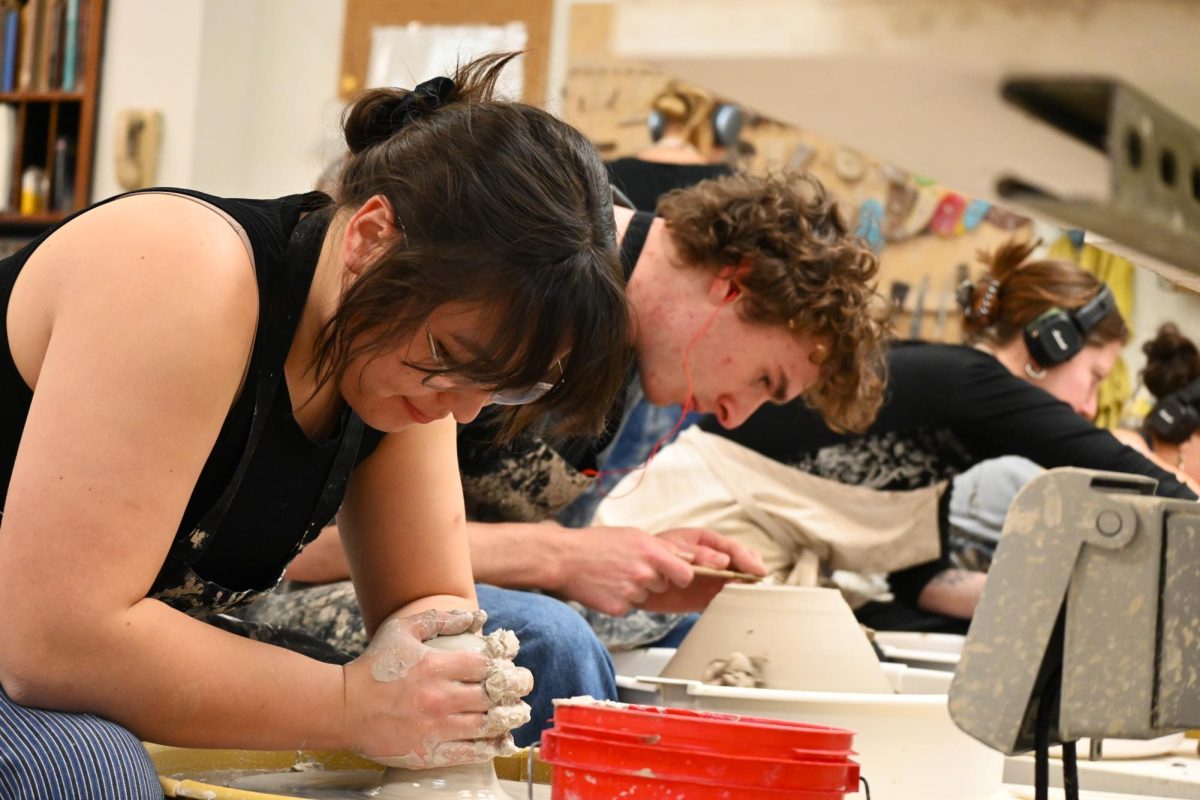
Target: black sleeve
[(783, 433), (478, 451), (998, 414), (906, 584)]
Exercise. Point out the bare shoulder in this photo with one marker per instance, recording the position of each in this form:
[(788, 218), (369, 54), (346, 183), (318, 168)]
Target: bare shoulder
[(149, 239), (143, 265), (133, 323)]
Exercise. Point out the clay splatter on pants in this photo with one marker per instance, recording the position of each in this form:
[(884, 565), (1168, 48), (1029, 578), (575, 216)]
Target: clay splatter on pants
[(328, 613)]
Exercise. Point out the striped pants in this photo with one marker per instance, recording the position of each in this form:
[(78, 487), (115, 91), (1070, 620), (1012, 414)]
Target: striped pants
[(51, 755)]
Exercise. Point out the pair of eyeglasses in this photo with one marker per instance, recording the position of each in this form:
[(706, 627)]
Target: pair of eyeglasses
[(449, 382)]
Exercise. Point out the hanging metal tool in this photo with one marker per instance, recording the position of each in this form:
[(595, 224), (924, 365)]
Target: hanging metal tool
[(939, 333), (918, 312)]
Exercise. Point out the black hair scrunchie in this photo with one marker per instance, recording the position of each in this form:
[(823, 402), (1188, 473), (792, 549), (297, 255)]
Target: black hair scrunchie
[(425, 96)]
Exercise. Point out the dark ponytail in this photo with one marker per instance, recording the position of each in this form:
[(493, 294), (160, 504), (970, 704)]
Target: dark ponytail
[(378, 114)]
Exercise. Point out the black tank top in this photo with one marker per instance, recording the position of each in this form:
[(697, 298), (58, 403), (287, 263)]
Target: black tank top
[(266, 489), (634, 241)]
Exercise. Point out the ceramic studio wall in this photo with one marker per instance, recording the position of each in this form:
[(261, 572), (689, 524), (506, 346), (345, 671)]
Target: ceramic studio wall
[(609, 100), (247, 89)]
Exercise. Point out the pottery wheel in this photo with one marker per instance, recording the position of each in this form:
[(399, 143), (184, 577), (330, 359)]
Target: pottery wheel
[(477, 781)]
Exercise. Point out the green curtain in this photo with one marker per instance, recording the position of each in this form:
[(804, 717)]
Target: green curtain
[(1118, 273)]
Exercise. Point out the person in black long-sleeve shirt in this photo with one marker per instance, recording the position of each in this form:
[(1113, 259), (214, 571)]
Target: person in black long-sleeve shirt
[(692, 137), (950, 407)]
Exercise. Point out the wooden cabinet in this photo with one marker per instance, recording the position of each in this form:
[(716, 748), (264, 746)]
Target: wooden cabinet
[(49, 87)]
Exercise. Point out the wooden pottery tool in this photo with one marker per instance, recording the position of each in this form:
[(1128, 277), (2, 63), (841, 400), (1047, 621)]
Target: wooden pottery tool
[(712, 572)]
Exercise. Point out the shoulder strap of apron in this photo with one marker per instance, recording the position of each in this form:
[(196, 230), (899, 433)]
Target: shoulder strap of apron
[(281, 313)]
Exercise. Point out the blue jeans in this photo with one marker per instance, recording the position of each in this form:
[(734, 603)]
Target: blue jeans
[(557, 646), (678, 633), (643, 426)]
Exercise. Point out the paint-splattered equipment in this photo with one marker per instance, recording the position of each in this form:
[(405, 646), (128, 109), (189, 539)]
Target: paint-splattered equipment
[(1090, 623)]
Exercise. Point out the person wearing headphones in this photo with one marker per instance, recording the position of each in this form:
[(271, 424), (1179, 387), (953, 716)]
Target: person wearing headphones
[(692, 135), (1170, 433), (744, 290), (1042, 335)]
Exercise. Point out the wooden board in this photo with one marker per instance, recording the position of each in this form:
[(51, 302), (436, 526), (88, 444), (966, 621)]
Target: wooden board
[(363, 15)]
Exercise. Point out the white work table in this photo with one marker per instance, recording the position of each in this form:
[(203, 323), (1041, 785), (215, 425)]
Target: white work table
[(1176, 775)]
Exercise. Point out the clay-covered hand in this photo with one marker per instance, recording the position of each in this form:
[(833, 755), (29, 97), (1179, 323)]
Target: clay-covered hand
[(702, 548), (410, 705), (505, 683), (614, 570)]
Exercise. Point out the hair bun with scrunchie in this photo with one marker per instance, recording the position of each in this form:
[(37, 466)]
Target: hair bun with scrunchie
[(425, 96), (382, 112)]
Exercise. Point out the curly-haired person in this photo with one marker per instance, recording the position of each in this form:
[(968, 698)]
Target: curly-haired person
[(742, 291), (923, 492)]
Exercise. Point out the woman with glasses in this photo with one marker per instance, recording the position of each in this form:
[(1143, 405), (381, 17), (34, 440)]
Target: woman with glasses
[(195, 384), (444, 379)]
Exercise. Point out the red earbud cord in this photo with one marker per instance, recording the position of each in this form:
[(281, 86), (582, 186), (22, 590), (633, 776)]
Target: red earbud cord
[(688, 404)]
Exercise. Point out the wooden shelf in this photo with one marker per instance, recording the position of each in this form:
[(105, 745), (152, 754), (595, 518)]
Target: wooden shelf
[(55, 129), (42, 97), (31, 220)]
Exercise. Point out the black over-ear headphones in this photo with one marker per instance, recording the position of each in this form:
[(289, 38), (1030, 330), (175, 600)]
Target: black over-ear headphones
[(1056, 335), (727, 120), (1175, 416)]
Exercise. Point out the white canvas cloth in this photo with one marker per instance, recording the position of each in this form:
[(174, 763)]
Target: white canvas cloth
[(801, 524)]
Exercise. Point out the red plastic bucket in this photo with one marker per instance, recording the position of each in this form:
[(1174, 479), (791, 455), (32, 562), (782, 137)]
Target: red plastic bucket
[(727, 734), (572, 783), (600, 752)]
